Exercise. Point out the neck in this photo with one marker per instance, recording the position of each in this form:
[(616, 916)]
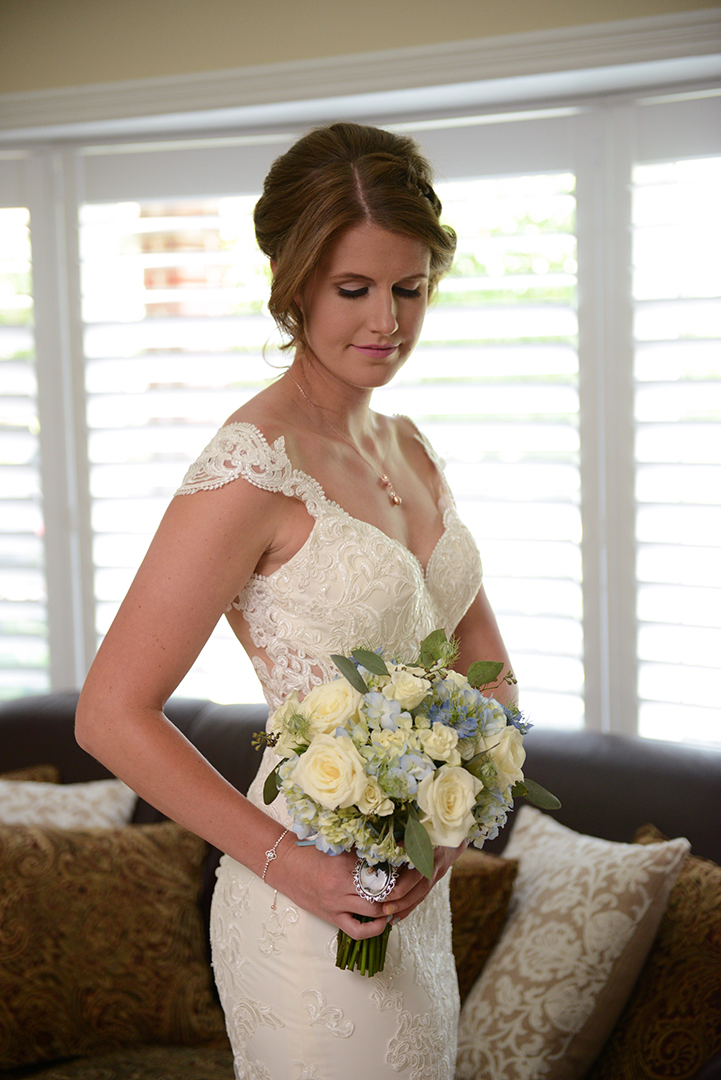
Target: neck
[(370, 454), (345, 405)]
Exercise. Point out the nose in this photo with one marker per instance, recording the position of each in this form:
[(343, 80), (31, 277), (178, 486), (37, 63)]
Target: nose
[(384, 319)]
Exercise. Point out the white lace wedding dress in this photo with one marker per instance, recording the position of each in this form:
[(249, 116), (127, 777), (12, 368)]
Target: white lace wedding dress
[(291, 1014)]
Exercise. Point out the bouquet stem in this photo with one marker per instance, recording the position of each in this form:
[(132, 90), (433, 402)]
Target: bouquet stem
[(367, 956)]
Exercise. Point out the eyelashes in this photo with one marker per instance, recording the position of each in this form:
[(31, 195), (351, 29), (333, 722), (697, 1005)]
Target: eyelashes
[(356, 294)]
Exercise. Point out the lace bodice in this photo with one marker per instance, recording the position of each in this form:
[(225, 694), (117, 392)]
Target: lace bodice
[(348, 585)]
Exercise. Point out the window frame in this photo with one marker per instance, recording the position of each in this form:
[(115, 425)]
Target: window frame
[(605, 137)]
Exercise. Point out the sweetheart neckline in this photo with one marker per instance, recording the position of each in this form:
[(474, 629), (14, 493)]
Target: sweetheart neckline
[(279, 444)]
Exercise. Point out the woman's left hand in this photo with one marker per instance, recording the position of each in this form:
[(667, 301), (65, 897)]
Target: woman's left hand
[(443, 860)]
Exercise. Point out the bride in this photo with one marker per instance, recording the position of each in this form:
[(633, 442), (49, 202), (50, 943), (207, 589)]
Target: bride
[(313, 524)]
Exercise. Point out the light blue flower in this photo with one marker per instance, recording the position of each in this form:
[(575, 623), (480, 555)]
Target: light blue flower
[(416, 765), (381, 711)]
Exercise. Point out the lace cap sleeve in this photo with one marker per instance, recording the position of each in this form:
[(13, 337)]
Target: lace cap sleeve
[(240, 450)]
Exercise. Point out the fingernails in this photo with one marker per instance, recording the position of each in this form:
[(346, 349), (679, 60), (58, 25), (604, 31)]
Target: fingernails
[(390, 909)]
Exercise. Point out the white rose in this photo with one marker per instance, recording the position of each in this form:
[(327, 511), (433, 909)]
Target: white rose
[(330, 705), (409, 690), (331, 771), (447, 798), (460, 680), (508, 755), (373, 800), (441, 743)]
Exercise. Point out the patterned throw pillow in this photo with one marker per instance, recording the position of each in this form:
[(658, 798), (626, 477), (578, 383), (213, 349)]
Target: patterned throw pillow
[(671, 1025), (583, 916), (96, 804), (481, 887), (102, 941)]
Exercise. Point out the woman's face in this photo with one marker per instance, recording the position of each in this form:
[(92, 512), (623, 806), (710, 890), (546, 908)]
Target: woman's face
[(363, 307)]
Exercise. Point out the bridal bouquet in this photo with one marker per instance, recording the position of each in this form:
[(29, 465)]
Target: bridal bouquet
[(394, 759)]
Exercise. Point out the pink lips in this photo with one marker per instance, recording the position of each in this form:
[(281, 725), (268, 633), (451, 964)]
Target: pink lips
[(377, 352)]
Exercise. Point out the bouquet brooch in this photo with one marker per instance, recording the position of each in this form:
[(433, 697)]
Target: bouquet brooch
[(394, 759)]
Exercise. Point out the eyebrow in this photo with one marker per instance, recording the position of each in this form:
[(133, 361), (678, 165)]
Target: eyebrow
[(362, 277)]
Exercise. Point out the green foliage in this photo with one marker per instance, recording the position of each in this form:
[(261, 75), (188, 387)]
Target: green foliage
[(536, 794), (418, 844), (348, 669), (484, 673), (436, 648), (271, 786), (371, 661)]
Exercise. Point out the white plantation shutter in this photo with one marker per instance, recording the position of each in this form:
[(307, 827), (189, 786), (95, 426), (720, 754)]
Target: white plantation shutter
[(677, 370), (174, 338), (23, 612)]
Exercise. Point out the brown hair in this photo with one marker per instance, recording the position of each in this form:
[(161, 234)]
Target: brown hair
[(331, 179)]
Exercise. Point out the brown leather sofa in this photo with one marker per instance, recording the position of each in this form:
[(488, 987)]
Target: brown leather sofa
[(608, 786)]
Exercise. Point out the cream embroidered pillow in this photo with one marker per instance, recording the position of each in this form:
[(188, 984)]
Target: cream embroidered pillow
[(582, 919), (96, 804)]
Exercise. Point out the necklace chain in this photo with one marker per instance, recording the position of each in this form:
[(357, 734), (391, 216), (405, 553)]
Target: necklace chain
[(382, 476)]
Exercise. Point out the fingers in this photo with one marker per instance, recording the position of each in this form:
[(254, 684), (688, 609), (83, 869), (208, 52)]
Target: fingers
[(361, 930)]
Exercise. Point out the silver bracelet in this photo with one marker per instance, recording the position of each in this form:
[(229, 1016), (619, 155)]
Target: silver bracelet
[(271, 854)]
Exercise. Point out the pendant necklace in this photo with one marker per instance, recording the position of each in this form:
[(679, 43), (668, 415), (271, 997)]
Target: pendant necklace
[(382, 476)]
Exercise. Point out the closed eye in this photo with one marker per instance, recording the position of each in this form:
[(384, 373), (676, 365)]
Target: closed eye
[(355, 294)]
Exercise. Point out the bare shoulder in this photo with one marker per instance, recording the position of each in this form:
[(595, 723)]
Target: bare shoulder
[(268, 412)]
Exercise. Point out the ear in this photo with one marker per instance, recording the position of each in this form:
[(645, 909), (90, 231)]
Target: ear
[(273, 265)]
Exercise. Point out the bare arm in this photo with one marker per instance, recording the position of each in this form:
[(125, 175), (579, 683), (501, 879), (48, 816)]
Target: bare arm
[(205, 549), (480, 639)]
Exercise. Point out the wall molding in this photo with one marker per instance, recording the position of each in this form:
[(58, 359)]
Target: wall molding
[(684, 46)]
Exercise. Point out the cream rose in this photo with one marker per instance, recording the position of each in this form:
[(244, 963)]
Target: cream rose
[(459, 680), (508, 755), (447, 798), (440, 742), (373, 801), (407, 689), (329, 706), (331, 771)]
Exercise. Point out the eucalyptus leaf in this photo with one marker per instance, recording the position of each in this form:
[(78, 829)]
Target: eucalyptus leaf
[(418, 846), (541, 798), (484, 672), (371, 661), (519, 789), (349, 671), (271, 787)]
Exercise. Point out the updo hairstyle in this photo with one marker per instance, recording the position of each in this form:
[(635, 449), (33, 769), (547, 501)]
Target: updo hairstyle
[(333, 178)]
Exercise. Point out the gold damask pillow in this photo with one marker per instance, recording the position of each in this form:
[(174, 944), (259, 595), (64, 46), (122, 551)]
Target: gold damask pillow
[(481, 887), (671, 1025), (101, 941), (582, 919)]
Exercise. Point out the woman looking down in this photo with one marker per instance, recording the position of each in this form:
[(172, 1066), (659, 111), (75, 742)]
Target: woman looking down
[(313, 524)]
